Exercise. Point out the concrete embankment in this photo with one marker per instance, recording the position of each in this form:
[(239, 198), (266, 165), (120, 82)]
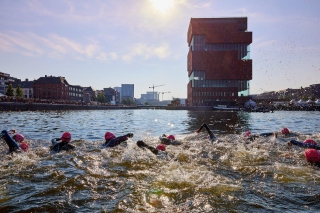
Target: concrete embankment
[(7, 106), (16, 106)]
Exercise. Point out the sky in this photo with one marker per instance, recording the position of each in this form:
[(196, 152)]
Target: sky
[(144, 42)]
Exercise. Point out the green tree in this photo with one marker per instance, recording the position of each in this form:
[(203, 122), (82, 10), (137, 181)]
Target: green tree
[(127, 102), (19, 92), (9, 90), (101, 98)]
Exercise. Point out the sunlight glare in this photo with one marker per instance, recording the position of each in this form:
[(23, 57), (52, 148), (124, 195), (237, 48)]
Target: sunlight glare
[(162, 5)]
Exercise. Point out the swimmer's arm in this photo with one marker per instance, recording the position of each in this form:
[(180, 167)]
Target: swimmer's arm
[(54, 140), (305, 145), (116, 141)]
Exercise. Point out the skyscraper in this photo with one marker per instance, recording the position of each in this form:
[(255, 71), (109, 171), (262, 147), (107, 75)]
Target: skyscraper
[(219, 64), (127, 91)]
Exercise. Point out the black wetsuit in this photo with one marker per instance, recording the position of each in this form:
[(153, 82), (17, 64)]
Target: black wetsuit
[(304, 145), (57, 147), (142, 144), (116, 141), (276, 134), (255, 136), (212, 137), (12, 144), (167, 141)]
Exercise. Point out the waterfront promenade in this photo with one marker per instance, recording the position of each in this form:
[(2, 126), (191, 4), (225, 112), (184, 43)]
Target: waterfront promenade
[(18, 106)]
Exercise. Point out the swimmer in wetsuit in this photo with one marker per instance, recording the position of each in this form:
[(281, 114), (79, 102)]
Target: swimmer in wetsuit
[(64, 144), (16, 142), (161, 148), (211, 136), (169, 140), (283, 133), (311, 154), (112, 140)]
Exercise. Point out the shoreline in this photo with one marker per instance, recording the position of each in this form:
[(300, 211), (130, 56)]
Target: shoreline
[(17, 106)]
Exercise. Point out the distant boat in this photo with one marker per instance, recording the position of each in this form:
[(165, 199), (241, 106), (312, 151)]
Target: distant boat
[(225, 108)]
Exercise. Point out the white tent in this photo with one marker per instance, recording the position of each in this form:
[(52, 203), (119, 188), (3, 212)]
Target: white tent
[(317, 102), (310, 101), (301, 102), (294, 102), (250, 104), (1, 95)]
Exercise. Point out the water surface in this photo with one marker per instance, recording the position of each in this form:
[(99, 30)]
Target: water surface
[(232, 175)]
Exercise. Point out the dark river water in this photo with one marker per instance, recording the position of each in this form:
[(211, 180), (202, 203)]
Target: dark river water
[(230, 175)]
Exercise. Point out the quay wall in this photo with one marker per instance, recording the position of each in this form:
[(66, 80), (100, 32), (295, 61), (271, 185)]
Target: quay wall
[(16, 106)]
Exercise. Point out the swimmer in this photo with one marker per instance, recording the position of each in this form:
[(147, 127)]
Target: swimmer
[(64, 144), (211, 136), (16, 142), (311, 154), (112, 140), (283, 133), (161, 148), (308, 143), (169, 140)]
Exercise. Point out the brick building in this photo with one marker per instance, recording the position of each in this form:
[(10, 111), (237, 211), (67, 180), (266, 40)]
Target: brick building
[(219, 65), (51, 88)]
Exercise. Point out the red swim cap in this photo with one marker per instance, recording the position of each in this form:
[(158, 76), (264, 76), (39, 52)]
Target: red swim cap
[(66, 137), (171, 137), (285, 131), (18, 137), (247, 134), (312, 156), (24, 146), (310, 141), (109, 136), (161, 147)]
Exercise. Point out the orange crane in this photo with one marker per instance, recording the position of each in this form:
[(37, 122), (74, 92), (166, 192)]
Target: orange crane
[(163, 93), (153, 86)]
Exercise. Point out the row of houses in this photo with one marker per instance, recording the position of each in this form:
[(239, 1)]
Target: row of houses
[(312, 92), (58, 88)]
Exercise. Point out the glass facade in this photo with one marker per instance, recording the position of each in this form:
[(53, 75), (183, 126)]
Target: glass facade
[(197, 79), (198, 44), (127, 91)]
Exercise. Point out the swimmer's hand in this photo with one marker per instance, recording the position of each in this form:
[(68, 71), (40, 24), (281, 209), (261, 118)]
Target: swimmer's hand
[(12, 131), (198, 131), (129, 135)]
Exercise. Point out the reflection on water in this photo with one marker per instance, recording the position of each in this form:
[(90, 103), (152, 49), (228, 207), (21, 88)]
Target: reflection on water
[(233, 175)]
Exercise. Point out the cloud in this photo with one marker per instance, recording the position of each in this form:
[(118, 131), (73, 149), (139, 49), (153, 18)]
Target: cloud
[(53, 46), (144, 51), (107, 56)]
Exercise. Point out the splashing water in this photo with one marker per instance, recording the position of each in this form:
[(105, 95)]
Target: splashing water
[(232, 174)]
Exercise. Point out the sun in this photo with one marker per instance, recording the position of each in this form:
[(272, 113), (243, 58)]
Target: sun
[(162, 5)]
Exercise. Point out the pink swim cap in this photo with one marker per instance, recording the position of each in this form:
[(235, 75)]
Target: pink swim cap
[(171, 137), (18, 137), (312, 156), (66, 137), (24, 146), (310, 141), (247, 134), (161, 147), (285, 131), (109, 136)]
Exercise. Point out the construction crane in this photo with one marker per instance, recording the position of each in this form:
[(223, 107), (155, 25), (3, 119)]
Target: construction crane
[(163, 93), (153, 86)]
